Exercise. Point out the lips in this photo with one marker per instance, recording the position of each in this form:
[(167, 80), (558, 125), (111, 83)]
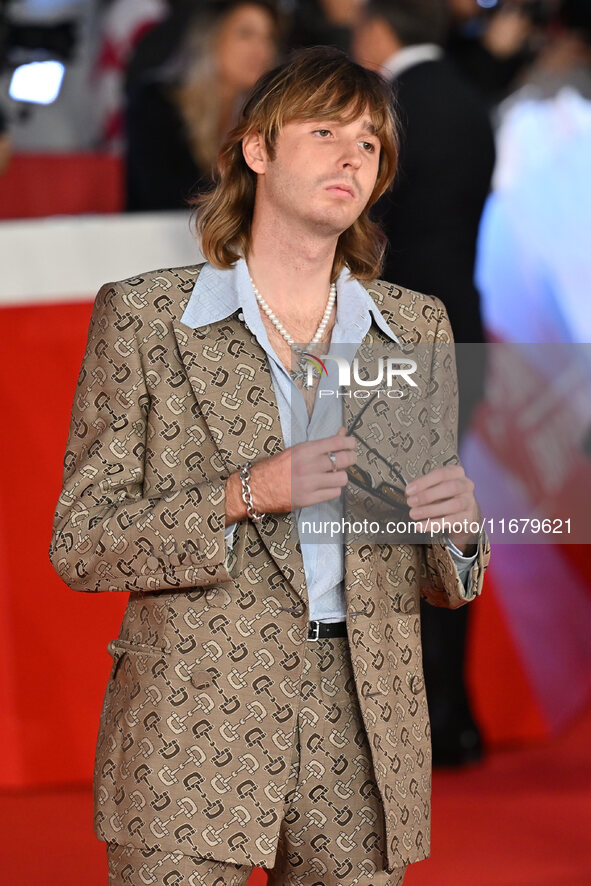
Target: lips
[(342, 187)]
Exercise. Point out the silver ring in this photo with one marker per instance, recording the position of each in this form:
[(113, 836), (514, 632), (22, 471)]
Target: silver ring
[(333, 460)]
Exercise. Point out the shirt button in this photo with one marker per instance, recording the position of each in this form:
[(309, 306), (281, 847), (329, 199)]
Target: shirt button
[(241, 316)]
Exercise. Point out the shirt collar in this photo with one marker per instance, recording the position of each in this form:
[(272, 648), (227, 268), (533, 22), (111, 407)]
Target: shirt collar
[(218, 293), (408, 57)]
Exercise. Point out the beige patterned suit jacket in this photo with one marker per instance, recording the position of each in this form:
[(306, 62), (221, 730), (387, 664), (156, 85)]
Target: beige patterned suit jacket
[(197, 726)]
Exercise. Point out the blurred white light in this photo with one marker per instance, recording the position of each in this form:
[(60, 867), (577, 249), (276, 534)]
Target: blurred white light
[(37, 82)]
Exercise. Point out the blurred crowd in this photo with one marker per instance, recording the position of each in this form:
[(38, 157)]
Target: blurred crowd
[(182, 78), (162, 80)]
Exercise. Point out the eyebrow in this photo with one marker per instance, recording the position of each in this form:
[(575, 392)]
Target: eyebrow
[(367, 126)]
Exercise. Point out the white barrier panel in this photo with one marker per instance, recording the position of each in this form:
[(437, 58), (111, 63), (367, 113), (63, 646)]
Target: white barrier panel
[(67, 258)]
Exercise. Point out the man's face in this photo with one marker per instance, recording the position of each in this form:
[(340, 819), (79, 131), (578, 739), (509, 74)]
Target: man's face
[(323, 174)]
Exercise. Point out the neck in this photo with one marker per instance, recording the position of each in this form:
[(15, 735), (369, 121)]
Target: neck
[(290, 267)]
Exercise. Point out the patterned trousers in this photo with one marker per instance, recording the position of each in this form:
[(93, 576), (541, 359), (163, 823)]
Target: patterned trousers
[(332, 831)]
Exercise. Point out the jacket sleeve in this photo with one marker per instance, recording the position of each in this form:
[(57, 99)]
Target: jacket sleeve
[(107, 535), (441, 584)]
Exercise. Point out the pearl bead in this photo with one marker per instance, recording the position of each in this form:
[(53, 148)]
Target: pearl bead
[(279, 326)]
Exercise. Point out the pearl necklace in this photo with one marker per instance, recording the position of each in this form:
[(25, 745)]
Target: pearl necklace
[(306, 369)]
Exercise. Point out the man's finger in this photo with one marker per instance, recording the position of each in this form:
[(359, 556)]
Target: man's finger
[(327, 479), (439, 492), (331, 444), (438, 475), (434, 511)]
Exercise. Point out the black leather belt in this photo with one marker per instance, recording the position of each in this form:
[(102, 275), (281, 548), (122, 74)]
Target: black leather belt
[(322, 630)]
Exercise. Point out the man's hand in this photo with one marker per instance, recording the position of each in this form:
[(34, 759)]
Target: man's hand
[(295, 478), (445, 494)]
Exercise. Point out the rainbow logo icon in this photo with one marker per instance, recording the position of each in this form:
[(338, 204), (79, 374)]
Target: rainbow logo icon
[(316, 362)]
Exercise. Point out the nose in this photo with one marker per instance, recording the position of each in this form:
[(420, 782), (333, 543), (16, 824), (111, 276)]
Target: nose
[(350, 156)]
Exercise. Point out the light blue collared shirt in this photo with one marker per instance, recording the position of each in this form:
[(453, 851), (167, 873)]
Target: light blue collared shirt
[(219, 293)]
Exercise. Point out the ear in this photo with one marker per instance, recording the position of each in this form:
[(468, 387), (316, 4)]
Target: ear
[(254, 152)]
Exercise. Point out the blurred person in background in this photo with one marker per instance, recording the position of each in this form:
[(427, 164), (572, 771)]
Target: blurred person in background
[(431, 219), (162, 42), (178, 116), (565, 58), (492, 46), (326, 22)]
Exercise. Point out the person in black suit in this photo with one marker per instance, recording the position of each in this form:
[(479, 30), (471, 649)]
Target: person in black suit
[(431, 218)]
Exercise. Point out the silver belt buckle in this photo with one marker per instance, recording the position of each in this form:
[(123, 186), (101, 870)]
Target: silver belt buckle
[(315, 626)]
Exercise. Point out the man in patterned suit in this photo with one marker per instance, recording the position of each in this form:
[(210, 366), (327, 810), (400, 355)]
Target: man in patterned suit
[(266, 705)]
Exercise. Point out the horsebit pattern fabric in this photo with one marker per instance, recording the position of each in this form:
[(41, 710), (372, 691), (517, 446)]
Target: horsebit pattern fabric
[(332, 828), (200, 715)]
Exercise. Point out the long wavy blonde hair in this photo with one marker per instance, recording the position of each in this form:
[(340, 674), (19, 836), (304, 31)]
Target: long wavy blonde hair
[(320, 82), (198, 98)]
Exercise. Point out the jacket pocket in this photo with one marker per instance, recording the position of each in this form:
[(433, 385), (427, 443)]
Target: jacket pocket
[(117, 649)]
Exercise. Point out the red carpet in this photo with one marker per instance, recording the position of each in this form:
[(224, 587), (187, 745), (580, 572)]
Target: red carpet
[(521, 818)]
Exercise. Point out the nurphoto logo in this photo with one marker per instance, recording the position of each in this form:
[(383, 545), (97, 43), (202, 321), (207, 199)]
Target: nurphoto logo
[(389, 369)]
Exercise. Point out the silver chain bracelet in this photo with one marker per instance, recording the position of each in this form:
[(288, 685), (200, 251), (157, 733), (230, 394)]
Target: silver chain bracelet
[(247, 493)]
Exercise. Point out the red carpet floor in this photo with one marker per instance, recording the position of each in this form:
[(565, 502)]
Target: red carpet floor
[(520, 818)]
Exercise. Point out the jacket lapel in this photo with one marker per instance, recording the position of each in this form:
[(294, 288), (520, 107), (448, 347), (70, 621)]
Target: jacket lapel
[(361, 559), (230, 377)]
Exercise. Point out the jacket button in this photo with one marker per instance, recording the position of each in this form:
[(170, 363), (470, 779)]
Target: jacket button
[(152, 563)]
